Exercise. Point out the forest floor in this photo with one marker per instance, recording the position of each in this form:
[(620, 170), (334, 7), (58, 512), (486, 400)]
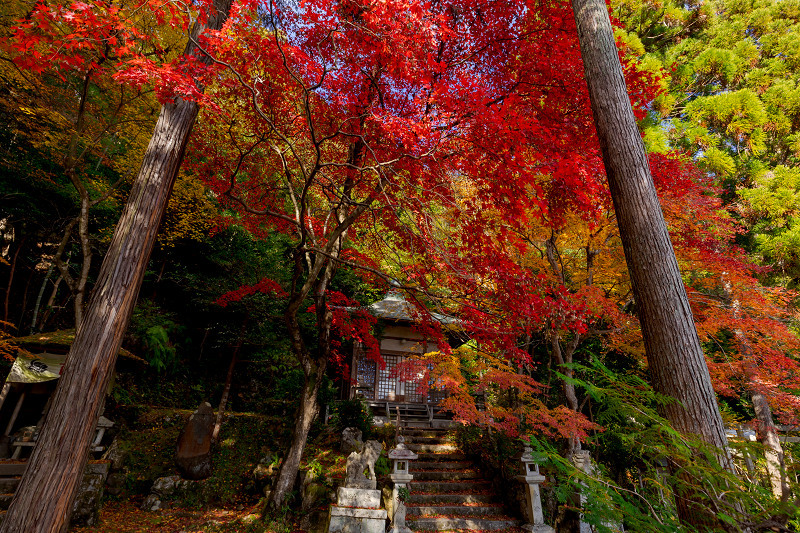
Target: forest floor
[(232, 498), (126, 517)]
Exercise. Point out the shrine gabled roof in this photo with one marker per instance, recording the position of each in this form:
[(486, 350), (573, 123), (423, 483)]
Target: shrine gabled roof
[(58, 341), (395, 307)]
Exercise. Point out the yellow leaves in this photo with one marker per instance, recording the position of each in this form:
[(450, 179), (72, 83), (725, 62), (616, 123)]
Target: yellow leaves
[(189, 213)]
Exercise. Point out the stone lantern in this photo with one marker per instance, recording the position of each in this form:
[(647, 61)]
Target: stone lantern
[(401, 458), (533, 499)]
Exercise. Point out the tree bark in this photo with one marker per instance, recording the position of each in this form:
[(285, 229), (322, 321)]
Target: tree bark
[(11, 281), (43, 501), (314, 367), (306, 413), (223, 402), (773, 451), (675, 358)]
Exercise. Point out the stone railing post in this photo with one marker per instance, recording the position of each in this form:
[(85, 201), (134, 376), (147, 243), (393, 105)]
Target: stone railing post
[(401, 458), (533, 498)]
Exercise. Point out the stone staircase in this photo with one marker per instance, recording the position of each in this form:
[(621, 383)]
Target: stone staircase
[(448, 491)]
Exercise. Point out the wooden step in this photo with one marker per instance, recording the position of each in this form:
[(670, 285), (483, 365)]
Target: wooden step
[(12, 468), (5, 500), (9, 484)]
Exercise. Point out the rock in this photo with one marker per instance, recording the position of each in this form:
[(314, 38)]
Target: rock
[(313, 495), (267, 467), (387, 497), (164, 487), (351, 440), (151, 503), (115, 484), (193, 454), (86, 506), (251, 519), (315, 521), (172, 487), (115, 454)]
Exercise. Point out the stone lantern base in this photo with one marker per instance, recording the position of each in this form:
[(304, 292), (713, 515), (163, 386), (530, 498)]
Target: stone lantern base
[(357, 511), (541, 528)]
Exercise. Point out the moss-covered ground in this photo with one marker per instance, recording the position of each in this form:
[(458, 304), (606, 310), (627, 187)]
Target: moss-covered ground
[(232, 498)]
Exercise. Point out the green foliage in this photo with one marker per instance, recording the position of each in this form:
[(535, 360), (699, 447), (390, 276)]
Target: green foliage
[(352, 413), (731, 69), (383, 466), (403, 493), (641, 463), (155, 331), (149, 444)]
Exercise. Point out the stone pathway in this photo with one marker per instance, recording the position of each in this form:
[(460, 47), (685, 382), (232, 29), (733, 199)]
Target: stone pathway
[(448, 491)]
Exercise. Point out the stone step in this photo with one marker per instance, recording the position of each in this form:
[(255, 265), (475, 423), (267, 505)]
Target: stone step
[(425, 458), (421, 466), (449, 498), (432, 448), (446, 524), (8, 484), (424, 432), (435, 475), (412, 439), (482, 511), (468, 486)]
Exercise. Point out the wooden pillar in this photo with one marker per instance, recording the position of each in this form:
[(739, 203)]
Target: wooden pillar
[(4, 393), (15, 413)]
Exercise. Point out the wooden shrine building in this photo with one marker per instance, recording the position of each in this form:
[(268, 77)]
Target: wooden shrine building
[(392, 390)]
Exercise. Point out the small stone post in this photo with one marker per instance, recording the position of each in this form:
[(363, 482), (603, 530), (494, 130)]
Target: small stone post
[(532, 478), (401, 457)]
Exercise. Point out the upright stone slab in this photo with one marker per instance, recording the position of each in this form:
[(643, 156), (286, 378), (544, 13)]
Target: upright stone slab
[(193, 453), (357, 511)]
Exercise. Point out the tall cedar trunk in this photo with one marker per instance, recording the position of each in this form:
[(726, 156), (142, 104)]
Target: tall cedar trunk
[(677, 366), (43, 501)]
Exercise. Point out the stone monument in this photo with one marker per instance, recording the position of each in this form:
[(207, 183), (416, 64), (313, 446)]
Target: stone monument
[(358, 503), (193, 449)]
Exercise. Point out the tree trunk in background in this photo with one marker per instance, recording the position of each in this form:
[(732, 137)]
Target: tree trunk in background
[(675, 358), (226, 391), (306, 413), (773, 451), (43, 501), (11, 281)]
